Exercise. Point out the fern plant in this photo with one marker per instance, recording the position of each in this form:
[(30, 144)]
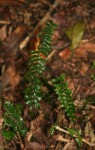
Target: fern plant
[(13, 121), (33, 92), (64, 95)]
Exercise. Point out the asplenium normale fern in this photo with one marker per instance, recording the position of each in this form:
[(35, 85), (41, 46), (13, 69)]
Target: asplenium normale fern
[(65, 96), (13, 120), (33, 93)]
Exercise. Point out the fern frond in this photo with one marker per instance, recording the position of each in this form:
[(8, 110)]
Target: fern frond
[(46, 36), (65, 96), (13, 119), (33, 92)]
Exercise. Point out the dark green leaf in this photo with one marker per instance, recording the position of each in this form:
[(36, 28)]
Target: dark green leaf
[(8, 134), (13, 119)]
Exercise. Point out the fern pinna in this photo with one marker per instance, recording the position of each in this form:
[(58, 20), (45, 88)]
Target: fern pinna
[(64, 95), (33, 92)]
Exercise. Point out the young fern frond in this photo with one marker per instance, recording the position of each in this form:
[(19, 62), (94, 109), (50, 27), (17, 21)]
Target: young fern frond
[(46, 36), (33, 92), (64, 95)]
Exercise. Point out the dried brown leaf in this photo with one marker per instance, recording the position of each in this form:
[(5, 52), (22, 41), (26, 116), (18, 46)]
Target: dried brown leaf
[(84, 68), (10, 2), (36, 146), (10, 78), (3, 33), (84, 48), (10, 46), (65, 54)]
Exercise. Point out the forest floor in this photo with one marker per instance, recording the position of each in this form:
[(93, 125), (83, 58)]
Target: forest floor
[(20, 23)]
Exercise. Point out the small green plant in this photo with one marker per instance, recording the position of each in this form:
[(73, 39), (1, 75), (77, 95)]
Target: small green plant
[(13, 122), (33, 93), (52, 129), (93, 65), (92, 75), (65, 96), (75, 134)]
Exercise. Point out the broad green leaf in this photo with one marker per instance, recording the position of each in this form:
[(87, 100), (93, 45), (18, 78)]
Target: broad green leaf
[(69, 33), (75, 34), (8, 134)]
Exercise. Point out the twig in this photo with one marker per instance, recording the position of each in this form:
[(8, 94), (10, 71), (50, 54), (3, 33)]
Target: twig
[(42, 22), (61, 139), (48, 14), (88, 40), (20, 141), (46, 2), (65, 131), (68, 145), (57, 51), (4, 22)]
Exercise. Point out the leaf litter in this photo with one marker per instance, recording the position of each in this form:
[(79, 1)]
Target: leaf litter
[(18, 20)]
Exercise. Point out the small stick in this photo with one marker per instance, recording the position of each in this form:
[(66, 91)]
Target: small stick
[(65, 131), (42, 22), (61, 139), (20, 141)]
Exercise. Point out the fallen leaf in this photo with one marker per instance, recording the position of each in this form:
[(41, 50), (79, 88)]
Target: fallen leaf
[(81, 52), (3, 33), (36, 146), (71, 84), (84, 68), (89, 47), (84, 49), (10, 2), (10, 46), (75, 34), (65, 54), (92, 116), (10, 78)]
